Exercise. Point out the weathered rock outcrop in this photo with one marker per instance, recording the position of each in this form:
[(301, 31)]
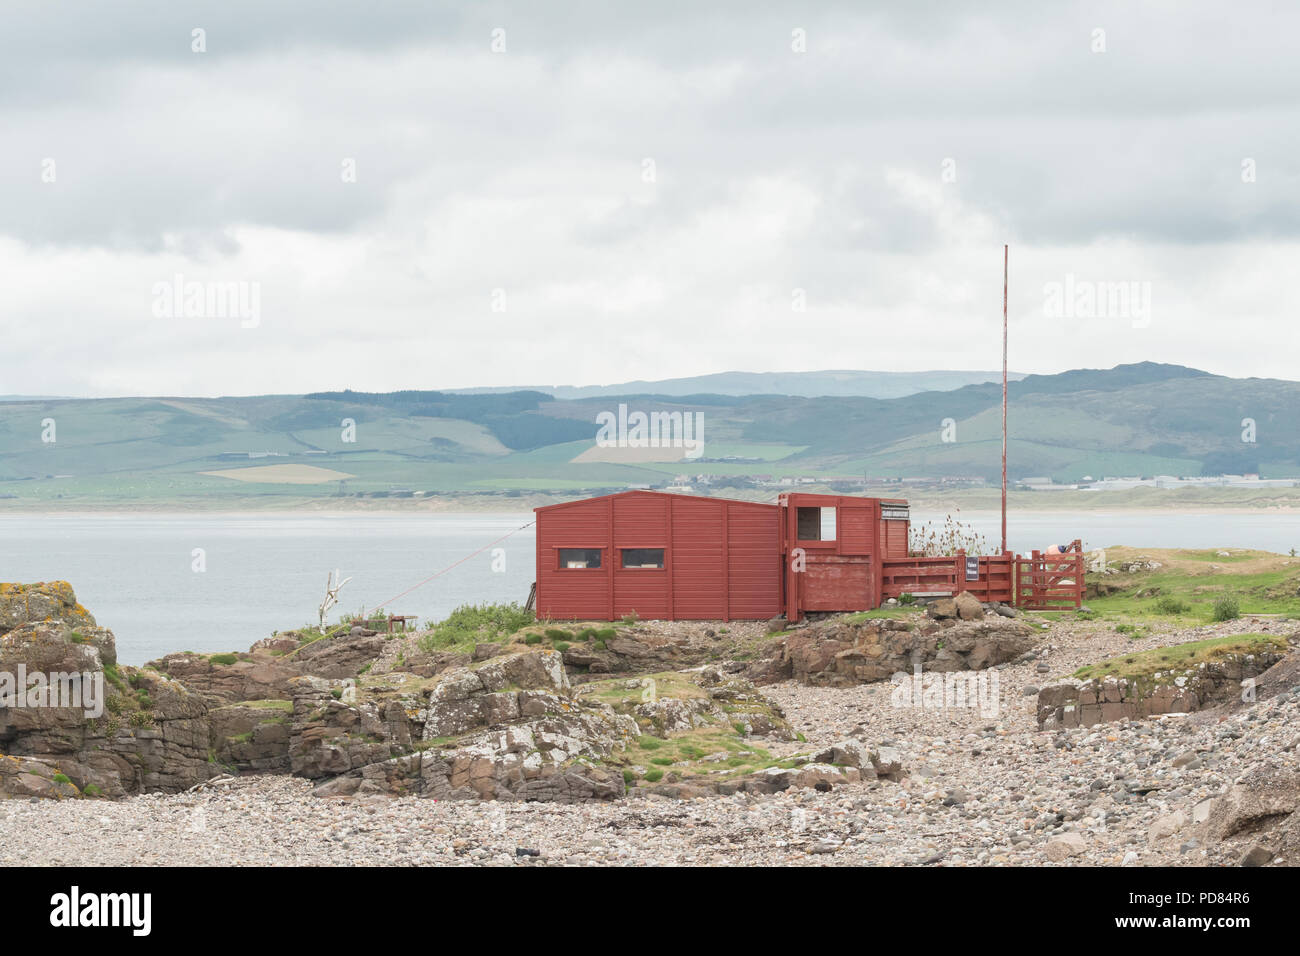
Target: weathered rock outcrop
[(26, 777), (267, 669), (712, 699), (508, 729), (849, 761), (633, 651), (222, 683), (47, 601), (843, 654), (965, 606), (1260, 813), (361, 716), (251, 736), (1083, 703), (135, 731)]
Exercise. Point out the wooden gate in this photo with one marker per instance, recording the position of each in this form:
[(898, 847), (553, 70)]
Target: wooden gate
[(1049, 582)]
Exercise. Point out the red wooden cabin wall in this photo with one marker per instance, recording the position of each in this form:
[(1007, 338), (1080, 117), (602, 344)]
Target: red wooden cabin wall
[(722, 559)]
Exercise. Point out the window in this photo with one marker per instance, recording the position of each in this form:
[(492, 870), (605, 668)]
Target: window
[(579, 557), (643, 558), (816, 524)]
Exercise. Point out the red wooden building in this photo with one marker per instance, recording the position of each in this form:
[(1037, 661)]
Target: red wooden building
[(681, 557), (666, 556)]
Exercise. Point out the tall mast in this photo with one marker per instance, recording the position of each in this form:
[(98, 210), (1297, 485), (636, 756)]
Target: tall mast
[(1005, 258)]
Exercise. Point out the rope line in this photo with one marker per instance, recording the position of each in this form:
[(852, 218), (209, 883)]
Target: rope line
[(455, 565)]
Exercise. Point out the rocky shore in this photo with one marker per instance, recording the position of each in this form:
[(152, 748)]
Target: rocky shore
[(743, 745)]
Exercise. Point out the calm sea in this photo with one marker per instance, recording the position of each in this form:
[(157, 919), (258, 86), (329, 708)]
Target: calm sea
[(267, 572)]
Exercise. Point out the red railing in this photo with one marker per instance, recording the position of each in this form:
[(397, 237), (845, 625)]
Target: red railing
[(995, 579), (1040, 582), (948, 574), (1049, 582), (916, 575)]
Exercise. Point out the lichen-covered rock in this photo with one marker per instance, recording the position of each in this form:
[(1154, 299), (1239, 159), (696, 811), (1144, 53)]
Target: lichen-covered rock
[(44, 602), (132, 730), (267, 669), (507, 730), (28, 777), (636, 651), (1083, 703), (841, 654)]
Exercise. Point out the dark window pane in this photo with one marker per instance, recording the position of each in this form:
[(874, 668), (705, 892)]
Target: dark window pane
[(580, 557), (816, 524), (643, 557)]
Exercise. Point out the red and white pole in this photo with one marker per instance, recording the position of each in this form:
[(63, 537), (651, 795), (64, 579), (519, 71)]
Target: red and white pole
[(1005, 258)]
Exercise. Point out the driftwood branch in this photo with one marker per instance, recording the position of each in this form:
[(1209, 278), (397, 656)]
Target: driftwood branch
[(332, 588)]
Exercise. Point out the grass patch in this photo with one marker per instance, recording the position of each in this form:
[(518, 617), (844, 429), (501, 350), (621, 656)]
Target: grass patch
[(223, 658), (1226, 608), (1188, 587), (616, 691), (1172, 606), (472, 624), (709, 751), (881, 613), (1181, 656), (114, 676)]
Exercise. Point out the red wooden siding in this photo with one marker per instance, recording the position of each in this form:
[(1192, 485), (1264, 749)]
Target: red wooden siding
[(722, 559), (640, 521), (753, 562), (585, 593), (854, 526), (893, 537), (843, 574)]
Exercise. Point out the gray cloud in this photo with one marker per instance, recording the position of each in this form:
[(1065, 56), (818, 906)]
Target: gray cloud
[(775, 170)]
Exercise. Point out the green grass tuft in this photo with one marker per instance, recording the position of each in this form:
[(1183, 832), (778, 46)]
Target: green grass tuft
[(471, 624)]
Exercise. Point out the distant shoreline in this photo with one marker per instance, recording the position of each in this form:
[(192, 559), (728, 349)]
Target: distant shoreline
[(1281, 501)]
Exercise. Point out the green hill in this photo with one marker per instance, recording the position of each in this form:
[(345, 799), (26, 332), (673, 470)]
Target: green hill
[(1143, 419)]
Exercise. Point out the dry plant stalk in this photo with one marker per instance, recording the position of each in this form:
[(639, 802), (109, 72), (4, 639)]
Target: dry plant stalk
[(927, 541)]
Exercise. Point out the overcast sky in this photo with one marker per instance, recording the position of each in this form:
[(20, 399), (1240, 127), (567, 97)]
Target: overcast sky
[(622, 191)]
